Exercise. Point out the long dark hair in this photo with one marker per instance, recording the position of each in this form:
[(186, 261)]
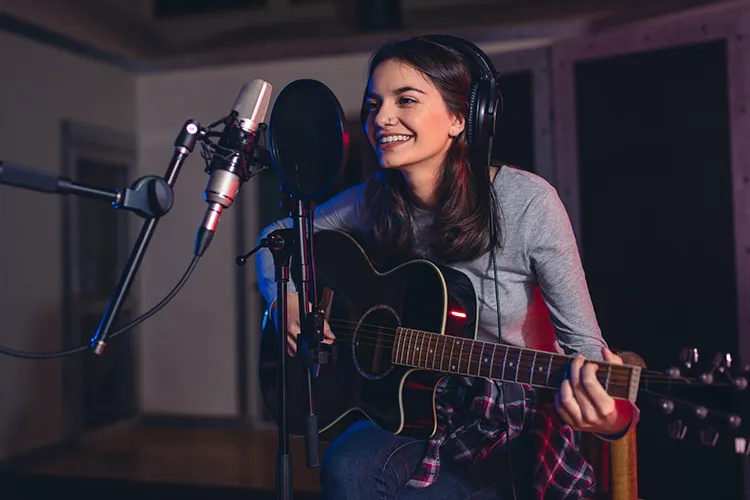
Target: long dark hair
[(467, 221)]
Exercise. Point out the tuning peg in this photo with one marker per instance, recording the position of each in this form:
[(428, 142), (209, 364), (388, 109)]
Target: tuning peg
[(721, 363), (700, 412), (709, 437), (689, 357), (677, 430), (734, 421), (727, 362), (741, 447), (667, 406), (740, 382)]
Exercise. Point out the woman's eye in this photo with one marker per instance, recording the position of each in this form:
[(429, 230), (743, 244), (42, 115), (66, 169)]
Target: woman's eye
[(407, 100), (372, 105)]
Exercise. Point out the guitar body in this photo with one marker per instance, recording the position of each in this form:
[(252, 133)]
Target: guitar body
[(365, 310)]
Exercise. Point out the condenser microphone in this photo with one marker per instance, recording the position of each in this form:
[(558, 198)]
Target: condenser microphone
[(230, 161)]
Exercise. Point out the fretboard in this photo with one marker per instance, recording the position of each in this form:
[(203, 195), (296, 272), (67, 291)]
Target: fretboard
[(474, 358)]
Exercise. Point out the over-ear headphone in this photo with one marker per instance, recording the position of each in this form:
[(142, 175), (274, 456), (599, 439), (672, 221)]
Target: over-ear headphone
[(485, 99)]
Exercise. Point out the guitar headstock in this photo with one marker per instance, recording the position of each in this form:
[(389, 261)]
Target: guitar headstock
[(704, 398)]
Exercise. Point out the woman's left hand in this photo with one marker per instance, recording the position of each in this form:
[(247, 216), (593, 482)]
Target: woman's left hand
[(583, 403)]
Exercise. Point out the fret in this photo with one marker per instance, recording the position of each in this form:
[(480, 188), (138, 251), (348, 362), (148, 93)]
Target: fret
[(420, 349), (397, 344), (403, 346), (460, 356), (413, 346), (606, 382), (471, 356), (492, 361), (479, 361), (558, 370), (504, 364), (442, 355), (434, 351), (451, 366), (549, 369), (540, 367), (530, 371), (412, 333), (415, 351), (518, 365), (434, 347), (424, 350)]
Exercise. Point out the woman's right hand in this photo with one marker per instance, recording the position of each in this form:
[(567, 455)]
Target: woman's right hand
[(293, 324)]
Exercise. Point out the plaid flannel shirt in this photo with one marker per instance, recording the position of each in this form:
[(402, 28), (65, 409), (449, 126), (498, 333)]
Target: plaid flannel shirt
[(559, 471)]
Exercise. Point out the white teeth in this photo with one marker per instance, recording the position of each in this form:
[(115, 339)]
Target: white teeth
[(394, 138)]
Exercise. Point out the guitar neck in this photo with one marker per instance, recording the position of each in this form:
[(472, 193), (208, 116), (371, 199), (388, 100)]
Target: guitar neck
[(474, 358)]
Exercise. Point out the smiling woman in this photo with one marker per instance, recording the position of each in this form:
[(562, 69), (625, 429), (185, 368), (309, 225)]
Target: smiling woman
[(428, 112)]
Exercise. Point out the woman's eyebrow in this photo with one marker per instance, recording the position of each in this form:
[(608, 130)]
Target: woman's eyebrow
[(398, 91)]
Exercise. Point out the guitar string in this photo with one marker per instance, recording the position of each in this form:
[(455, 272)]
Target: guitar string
[(645, 387), (619, 376), (646, 374), (651, 374), (649, 378)]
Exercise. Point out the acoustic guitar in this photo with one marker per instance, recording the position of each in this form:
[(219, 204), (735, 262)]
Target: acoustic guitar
[(398, 334)]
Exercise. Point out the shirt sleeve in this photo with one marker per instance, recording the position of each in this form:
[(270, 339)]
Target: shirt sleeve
[(343, 212), (554, 256)]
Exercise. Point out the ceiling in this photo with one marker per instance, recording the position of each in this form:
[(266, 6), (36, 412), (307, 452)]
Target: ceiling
[(145, 34)]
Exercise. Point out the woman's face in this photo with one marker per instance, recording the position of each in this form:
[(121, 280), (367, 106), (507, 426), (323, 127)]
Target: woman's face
[(408, 123)]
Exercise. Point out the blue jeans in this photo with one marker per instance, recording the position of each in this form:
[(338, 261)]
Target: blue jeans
[(368, 463)]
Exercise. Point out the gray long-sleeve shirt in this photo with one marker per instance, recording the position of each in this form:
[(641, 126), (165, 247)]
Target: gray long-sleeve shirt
[(538, 268)]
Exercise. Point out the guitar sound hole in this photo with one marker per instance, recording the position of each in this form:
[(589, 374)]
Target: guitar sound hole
[(373, 342)]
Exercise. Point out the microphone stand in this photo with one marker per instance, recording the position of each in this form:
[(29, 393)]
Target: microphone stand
[(311, 321), (152, 188), (150, 197), (283, 244)]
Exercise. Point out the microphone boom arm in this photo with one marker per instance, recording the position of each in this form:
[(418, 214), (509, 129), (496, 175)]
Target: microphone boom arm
[(184, 145)]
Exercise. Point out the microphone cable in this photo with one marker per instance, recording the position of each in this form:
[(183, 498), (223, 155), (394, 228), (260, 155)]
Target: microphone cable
[(259, 157), (59, 354)]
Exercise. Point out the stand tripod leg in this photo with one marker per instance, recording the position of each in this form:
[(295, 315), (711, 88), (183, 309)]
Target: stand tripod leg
[(281, 244), (283, 458)]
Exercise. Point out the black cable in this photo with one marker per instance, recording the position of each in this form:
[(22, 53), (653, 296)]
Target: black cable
[(500, 339), (59, 354)]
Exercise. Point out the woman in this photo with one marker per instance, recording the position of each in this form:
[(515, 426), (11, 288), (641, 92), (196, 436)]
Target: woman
[(436, 197)]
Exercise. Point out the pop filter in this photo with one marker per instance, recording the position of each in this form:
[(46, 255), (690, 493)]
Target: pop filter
[(307, 139)]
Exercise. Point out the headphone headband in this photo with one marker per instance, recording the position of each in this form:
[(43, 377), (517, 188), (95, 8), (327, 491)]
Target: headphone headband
[(485, 100)]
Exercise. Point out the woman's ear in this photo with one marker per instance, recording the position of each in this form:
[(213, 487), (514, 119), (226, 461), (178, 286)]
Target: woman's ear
[(458, 125)]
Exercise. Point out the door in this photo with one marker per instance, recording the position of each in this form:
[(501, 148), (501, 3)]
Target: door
[(98, 390)]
